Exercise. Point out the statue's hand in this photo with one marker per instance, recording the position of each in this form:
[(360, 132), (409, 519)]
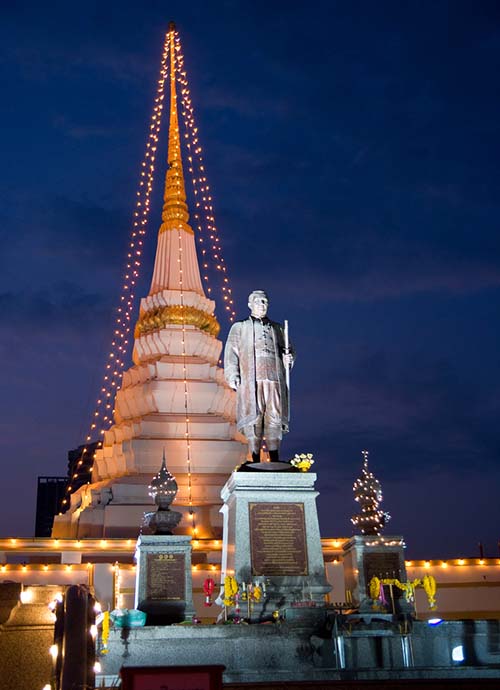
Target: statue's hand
[(288, 361), (235, 383)]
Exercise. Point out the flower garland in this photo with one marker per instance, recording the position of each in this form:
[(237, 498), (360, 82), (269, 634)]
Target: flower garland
[(374, 588), (105, 632), (257, 593), (251, 592), (230, 590), (208, 588), (428, 583)]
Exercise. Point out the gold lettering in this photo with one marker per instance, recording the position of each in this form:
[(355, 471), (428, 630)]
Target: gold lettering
[(278, 541)]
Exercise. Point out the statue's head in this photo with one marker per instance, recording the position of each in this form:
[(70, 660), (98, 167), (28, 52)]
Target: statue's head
[(258, 302)]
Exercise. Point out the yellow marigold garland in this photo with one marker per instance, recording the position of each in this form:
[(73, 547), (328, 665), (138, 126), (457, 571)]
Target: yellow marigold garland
[(230, 589), (374, 588), (105, 632), (428, 583)]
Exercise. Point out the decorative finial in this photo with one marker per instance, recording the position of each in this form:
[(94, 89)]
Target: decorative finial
[(175, 211), (163, 489), (368, 493)]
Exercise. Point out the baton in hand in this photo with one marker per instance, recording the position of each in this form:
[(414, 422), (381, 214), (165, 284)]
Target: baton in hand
[(287, 367)]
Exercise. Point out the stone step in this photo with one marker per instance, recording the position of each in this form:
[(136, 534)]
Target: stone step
[(203, 396)]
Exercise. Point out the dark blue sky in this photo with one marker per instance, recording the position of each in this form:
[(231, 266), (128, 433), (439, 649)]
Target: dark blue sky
[(354, 154)]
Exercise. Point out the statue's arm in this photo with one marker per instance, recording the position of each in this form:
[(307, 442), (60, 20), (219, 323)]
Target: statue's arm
[(232, 357)]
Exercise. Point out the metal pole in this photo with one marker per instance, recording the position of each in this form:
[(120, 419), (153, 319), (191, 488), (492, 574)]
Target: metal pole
[(287, 368)]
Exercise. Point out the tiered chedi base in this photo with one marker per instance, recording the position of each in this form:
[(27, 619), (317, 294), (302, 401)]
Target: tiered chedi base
[(150, 416)]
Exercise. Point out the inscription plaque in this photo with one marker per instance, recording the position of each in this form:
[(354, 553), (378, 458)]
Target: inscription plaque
[(278, 539), (383, 565), (166, 577)]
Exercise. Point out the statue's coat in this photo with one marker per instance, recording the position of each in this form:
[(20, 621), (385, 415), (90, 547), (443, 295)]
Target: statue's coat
[(239, 360)]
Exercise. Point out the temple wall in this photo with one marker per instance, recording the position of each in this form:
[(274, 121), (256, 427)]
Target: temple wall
[(469, 590)]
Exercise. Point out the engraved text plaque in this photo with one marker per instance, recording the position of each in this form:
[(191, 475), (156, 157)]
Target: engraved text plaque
[(278, 539), (166, 577)]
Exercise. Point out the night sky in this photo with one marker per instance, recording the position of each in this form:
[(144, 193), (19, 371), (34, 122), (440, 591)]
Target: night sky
[(353, 150)]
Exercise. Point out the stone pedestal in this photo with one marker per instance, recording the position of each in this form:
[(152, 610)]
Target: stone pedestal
[(369, 556), (164, 589), (271, 535)]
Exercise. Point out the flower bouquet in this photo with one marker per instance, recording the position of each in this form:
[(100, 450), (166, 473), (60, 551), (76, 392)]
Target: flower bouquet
[(303, 461)]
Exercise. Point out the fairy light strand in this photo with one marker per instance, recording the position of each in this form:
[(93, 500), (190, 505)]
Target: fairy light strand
[(174, 122), (208, 238), (368, 493), (102, 417), (202, 195), (186, 395)]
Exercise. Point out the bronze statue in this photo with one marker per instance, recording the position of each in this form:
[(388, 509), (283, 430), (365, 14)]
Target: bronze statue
[(257, 360)]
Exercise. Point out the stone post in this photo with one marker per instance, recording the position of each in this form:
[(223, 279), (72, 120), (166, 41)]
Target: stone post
[(164, 588), (271, 537), (368, 556)]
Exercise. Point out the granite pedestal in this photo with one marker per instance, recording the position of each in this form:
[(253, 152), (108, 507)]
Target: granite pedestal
[(368, 556), (284, 653), (164, 589), (271, 536)]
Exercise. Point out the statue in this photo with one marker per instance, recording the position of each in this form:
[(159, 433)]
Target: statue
[(257, 361)]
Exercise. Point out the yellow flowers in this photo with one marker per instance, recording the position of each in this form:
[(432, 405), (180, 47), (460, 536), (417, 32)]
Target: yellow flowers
[(374, 588), (428, 583), (257, 593), (105, 632), (230, 589), (303, 461)]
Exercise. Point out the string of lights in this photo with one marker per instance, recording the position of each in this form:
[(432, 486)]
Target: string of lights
[(102, 417), (204, 215), (368, 493), (186, 398), (209, 243), (177, 156)]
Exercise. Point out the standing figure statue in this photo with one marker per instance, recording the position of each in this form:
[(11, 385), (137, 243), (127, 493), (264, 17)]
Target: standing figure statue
[(254, 365)]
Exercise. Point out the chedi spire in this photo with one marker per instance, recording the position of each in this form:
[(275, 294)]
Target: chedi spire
[(175, 211), (176, 265)]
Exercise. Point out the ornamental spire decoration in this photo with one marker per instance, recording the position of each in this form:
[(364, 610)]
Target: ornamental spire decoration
[(175, 210), (163, 489), (176, 264), (368, 493)]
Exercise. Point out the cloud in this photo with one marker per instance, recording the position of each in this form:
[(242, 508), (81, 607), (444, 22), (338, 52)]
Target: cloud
[(93, 232), (63, 307), (70, 233), (414, 411), (89, 46), (362, 259), (81, 131)]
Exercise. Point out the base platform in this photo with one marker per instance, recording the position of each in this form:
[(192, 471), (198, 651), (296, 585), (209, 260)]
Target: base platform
[(267, 467), (286, 652)]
